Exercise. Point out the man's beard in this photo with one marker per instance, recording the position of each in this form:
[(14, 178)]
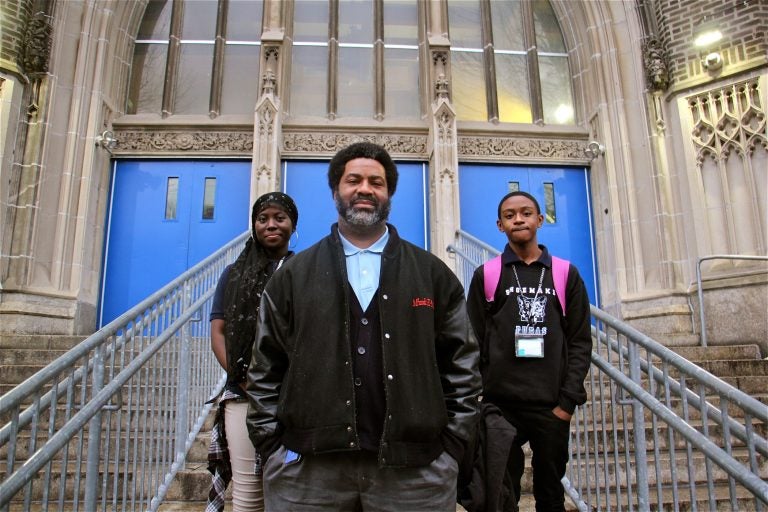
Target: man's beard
[(358, 217)]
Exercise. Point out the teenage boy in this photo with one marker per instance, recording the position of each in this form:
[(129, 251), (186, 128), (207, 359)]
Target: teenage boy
[(535, 347)]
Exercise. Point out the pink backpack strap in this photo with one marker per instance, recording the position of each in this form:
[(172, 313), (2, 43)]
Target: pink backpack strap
[(491, 276), (560, 269)]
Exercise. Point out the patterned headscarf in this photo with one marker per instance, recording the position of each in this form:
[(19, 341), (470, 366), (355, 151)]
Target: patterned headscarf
[(278, 199)]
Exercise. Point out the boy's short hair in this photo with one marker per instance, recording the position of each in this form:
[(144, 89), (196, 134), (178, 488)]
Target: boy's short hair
[(519, 193), (362, 150)]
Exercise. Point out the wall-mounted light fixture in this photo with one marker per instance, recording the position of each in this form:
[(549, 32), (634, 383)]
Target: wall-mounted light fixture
[(705, 36), (593, 150), (106, 140)]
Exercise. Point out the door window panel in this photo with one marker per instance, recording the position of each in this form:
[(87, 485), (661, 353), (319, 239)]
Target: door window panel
[(209, 199), (171, 198), (550, 215)]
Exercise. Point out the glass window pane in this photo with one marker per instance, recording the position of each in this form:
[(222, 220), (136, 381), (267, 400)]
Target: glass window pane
[(310, 21), (550, 215), (400, 18), (464, 23), (209, 198), (355, 82), (507, 25), (199, 20), (512, 89), (556, 95), (401, 83), (147, 77), (241, 83), (468, 86), (309, 80), (157, 20), (513, 186), (171, 198), (549, 38), (193, 81), (356, 21), (244, 20)]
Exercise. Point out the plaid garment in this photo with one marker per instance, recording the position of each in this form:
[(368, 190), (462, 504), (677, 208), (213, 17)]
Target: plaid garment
[(218, 458)]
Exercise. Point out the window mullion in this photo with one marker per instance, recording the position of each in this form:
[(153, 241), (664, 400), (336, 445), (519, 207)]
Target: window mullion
[(172, 62), (217, 71), (532, 62), (378, 59), (333, 58), (489, 69)]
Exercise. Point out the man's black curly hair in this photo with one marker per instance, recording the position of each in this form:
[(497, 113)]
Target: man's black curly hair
[(362, 150)]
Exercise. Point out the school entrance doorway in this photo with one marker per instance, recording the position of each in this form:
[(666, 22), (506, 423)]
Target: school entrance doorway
[(164, 217), (564, 196)]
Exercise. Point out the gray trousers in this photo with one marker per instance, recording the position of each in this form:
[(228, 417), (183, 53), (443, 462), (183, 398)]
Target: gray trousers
[(353, 481)]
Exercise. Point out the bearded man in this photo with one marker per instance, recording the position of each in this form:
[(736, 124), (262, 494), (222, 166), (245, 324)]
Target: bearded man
[(364, 380)]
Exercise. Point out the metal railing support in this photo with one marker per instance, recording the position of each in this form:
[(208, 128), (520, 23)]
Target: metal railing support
[(94, 435), (702, 320)]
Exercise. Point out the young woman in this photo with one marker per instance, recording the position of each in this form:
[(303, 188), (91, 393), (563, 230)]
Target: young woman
[(234, 315)]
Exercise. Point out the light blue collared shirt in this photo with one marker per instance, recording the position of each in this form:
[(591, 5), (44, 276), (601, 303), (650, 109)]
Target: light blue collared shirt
[(364, 267)]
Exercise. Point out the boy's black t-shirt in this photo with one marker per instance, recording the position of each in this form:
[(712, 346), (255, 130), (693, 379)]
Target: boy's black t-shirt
[(521, 305)]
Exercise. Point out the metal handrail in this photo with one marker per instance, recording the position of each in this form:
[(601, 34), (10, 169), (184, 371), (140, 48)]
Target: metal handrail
[(136, 390), (702, 320), (651, 416)]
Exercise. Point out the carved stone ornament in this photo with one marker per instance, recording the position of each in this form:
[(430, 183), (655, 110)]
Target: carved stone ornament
[(301, 142), (36, 46), (655, 64), (186, 142), (522, 148)]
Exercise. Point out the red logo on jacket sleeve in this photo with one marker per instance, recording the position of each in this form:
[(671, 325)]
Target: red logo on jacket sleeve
[(419, 302)]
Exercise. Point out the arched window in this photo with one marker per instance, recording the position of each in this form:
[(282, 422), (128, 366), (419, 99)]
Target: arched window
[(509, 62), (196, 57), (364, 63)]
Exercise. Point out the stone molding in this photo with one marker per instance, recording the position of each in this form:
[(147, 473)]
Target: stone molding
[(229, 142), (523, 148), (295, 143), (184, 142)]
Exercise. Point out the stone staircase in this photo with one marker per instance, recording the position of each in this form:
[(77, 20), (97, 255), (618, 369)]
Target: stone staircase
[(742, 366)]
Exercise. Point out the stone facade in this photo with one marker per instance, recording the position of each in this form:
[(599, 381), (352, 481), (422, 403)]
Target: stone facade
[(683, 175)]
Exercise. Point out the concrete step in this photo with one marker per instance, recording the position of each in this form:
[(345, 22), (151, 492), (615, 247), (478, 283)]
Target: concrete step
[(40, 341)]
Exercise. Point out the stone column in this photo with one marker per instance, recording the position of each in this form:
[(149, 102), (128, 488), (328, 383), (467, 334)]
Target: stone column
[(265, 167), (443, 159)]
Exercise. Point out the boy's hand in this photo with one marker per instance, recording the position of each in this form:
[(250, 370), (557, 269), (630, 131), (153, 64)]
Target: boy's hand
[(557, 411)]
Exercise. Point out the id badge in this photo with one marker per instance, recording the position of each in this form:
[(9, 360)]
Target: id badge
[(529, 345)]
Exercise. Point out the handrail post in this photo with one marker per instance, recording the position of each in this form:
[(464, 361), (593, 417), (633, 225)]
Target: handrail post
[(638, 427), (182, 394), (92, 472)]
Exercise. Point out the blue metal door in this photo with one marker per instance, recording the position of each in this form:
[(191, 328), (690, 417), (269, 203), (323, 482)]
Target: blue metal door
[(564, 197), (307, 183), (165, 217)]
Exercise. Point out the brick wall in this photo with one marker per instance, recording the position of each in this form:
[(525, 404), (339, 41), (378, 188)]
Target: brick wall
[(744, 26), (13, 16)]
